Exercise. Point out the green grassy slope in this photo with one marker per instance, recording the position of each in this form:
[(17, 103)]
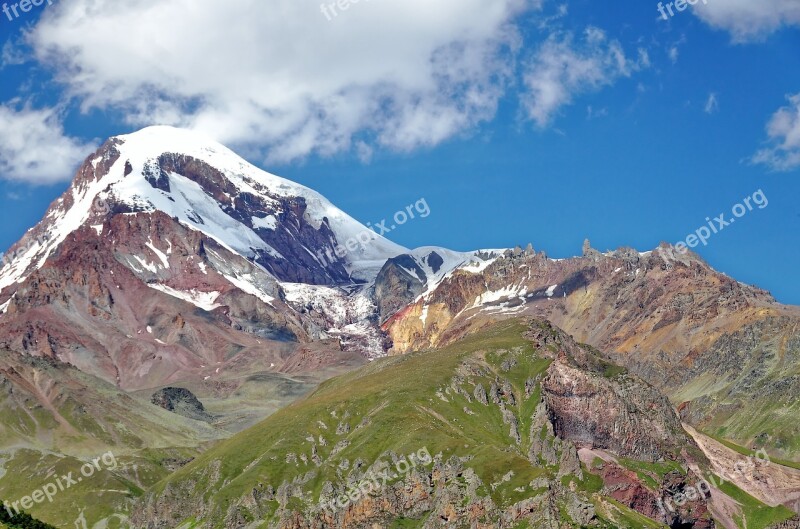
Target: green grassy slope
[(276, 473), (394, 406)]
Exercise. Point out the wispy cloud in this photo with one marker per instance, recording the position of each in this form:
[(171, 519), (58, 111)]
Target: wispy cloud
[(673, 54), (712, 104), (592, 113), (783, 130), (565, 67)]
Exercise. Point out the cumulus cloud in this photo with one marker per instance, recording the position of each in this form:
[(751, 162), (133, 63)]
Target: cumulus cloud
[(564, 67), (749, 20), (34, 148), (398, 74), (783, 130)]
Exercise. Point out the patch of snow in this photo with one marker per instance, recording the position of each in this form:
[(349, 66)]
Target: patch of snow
[(243, 283), (4, 306), (477, 265), (149, 329), (510, 291), (98, 228), (451, 262), (190, 204), (202, 267), (269, 222), (161, 255), (551, 290), (424, 315), (413, 273), (203, 300), (348, 316), (149, 267)]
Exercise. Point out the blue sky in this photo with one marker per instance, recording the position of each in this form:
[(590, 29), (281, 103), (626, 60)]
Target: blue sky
[(526, 121)]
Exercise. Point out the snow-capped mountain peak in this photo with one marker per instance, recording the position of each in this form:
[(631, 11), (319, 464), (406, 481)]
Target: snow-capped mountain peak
[(292, 231)]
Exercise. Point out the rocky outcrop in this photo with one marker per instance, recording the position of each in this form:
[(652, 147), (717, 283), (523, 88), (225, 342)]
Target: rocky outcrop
[(445, 494), (627, 487), (595, 404), (399, 282), (794, 523), (627, 418), (180, 401)]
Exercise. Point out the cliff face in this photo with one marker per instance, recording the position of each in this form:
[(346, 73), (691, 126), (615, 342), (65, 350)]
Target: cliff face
[(396, 287), (596, 404), (620, 416)]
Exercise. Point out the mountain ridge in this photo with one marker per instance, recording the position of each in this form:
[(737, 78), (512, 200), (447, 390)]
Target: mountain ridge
[(173, 267)]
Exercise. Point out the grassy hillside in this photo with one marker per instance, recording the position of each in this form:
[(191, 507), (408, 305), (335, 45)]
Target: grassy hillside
[(396, 399), (483, 409), (314, 450), (54, 418)]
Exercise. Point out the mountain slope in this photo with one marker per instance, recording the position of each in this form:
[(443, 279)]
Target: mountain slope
[(723, 351), (282, 225), (164, 264), (153, 271), (167, 255), (505, 436)]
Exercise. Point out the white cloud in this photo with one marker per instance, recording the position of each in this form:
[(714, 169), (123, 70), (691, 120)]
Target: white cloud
[(783, 130), (674, 51), (12, 54), (398, 74), (34, 148), (749, 20), (591, 113), (673, 54), (712, 104), (563, 68)]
